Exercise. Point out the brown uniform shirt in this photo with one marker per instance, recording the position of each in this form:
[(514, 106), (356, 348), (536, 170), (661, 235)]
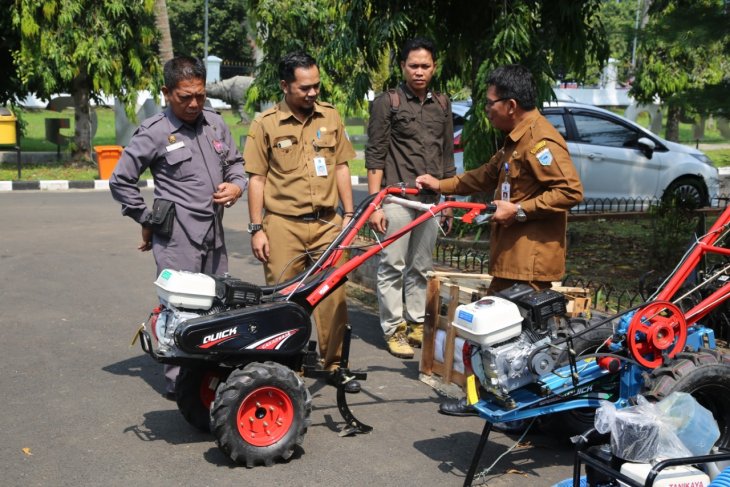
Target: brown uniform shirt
[(298, 159), (542, 178)]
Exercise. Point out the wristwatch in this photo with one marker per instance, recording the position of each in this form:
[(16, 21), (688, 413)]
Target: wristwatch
[(254, 227), (521, 216)]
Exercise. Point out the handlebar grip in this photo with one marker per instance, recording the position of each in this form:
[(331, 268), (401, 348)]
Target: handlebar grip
[(491, 208)]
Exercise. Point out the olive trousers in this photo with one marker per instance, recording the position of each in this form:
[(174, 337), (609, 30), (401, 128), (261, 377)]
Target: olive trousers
[(294, 245)]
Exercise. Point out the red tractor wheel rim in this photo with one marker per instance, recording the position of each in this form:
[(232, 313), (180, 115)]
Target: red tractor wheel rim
[(655, 329), (208, 385), (265, 416)]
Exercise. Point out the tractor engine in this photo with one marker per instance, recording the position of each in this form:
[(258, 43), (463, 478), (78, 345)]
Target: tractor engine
[(185, 296), (505, 330)]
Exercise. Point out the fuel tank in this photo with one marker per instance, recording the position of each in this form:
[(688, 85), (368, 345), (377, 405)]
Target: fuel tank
[(271, 328)]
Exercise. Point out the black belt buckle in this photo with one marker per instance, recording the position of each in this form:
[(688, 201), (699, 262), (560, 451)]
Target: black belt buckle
[(315, 215)]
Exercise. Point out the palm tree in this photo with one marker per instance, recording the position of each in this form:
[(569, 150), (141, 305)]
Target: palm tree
[(163, 25)]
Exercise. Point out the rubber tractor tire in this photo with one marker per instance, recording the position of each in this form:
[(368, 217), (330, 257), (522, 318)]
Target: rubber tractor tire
[(195, 391), (261, 414), (576, 421), (704, 374)]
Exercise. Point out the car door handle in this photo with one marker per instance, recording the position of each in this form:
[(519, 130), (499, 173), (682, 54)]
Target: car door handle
[(594, 156)]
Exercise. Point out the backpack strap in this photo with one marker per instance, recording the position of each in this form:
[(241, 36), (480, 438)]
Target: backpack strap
[(441, 99), (394, 100)]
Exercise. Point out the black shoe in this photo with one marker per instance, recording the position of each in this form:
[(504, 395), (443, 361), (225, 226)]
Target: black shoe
[(457, 407), (351, 386), (170, 396)]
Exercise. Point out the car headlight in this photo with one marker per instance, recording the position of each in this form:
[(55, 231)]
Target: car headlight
[(703, 158)]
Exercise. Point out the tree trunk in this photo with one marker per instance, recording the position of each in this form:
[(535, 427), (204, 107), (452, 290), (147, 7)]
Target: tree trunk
[(81, 152), (698, 129), (723, 125), (674, 113), (163, 25)]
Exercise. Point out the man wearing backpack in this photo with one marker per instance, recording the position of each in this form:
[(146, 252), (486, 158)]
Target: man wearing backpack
[(410, 133)]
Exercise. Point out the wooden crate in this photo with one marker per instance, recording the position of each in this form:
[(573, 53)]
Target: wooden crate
[(579, 299), (446, 290)]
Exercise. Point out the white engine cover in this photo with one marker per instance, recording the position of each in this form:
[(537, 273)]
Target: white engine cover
[(668, 477), (489, 321), (182, 289)]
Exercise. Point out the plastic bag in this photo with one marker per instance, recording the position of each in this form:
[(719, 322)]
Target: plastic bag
[(694, 424), (643, 433)]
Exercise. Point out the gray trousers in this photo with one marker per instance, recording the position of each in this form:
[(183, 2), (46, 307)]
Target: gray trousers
[(403, 267), (181, 254)]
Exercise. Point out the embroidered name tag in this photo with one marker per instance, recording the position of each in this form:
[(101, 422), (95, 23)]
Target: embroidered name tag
[(175, 146)]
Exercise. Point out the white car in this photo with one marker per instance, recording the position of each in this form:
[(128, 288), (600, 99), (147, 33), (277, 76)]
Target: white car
[(458, 113), (618, 159)]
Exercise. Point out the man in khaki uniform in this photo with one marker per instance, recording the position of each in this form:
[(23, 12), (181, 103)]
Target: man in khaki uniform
[(534, 183), (296, 156)]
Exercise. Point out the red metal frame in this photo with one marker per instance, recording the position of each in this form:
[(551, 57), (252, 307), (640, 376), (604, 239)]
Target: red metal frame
[(703, 247), (706, 245), (474, 209)]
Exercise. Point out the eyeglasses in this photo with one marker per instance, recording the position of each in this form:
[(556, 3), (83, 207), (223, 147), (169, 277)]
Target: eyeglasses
[(490, 103)]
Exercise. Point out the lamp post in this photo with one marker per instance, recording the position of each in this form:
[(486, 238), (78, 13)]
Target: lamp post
[(205, 49)]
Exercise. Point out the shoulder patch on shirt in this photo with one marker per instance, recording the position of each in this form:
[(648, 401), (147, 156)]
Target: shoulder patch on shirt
[(545, 157), (538, 146)]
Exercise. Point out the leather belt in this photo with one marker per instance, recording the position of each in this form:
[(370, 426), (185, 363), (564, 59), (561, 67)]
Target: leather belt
[(316, 215)]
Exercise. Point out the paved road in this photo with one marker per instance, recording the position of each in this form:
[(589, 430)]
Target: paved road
[(81, 407)]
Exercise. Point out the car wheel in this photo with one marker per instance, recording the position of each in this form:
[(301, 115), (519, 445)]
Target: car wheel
[(687, 192)]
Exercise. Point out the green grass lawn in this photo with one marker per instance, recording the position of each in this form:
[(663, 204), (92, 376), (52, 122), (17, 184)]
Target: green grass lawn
[(34, 140)]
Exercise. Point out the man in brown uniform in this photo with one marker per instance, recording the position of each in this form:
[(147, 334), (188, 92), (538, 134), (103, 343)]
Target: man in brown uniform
[(534, 183), (296, 156)]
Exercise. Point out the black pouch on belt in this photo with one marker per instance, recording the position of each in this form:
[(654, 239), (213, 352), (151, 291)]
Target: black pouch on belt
[(163, 216)]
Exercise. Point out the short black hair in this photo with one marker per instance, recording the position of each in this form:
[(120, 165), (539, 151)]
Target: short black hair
[(416, 44), (514, 81), (290, 62), (181, 68)]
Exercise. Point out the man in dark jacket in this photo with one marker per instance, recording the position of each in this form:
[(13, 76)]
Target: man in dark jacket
[(410, 133)]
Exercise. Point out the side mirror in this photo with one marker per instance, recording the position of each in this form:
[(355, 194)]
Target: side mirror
[(646, 146)]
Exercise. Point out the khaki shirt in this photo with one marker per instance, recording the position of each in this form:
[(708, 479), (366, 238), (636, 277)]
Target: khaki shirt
[(542, 178), (298, 159)]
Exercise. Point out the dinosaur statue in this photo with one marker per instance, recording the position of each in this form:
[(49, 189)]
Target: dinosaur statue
[(232, 91)]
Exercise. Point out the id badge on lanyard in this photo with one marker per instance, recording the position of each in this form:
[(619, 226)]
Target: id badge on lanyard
[(506, 188)]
